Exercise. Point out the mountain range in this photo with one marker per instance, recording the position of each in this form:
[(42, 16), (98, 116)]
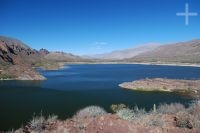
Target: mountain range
[(182, 52), (126, 53), (18, 60)]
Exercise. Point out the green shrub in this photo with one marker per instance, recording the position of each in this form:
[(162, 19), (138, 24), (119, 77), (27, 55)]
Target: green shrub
[(126, 114), (130, 114), (116, 107), (90, 111)]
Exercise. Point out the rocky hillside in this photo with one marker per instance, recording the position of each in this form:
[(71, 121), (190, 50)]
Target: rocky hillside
[(16, 59), (182, 52)]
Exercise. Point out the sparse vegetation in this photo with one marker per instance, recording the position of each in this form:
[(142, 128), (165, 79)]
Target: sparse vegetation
[(172, 108), (117, 107), (90, 111), (52, 118), (40, 123), (130, 114), (183, 120), (126, 114), (175, 112), (37, 124)]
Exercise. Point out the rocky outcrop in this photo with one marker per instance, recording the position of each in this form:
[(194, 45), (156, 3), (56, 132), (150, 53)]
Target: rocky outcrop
[(43, 51), (16, 59)]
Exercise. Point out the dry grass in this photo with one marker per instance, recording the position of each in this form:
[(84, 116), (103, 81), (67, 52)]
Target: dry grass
[(175, 113), (184, 117), (172, 108), (90, 111)]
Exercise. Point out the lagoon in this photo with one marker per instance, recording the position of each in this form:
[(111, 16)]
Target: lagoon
[(78, 85)]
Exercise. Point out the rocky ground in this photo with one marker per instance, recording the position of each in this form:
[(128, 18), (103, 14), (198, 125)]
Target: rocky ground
[(110, 124), (166, 118)]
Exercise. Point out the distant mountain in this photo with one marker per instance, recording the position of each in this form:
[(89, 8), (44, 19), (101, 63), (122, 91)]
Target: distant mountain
[(182, 52), (127, 53), (62, 57)]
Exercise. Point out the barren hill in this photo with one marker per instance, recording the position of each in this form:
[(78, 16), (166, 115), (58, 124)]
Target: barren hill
[(127, 53), (182, 52), (61, 56), (16, 59)]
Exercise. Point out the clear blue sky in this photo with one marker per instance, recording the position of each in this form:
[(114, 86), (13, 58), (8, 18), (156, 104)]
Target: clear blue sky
[(97, 26)]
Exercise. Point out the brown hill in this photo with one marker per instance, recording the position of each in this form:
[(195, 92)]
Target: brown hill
[(43, 51), (182, 52), (127, 53), (16, 59), (62, 57)]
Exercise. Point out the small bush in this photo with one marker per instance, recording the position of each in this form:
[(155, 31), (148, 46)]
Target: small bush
[(139, 112), (194, 108), (194, 111), (172, 108), (117, 107), (52, 118), (90, 111), (183, 120), (126, 113), (37, 123), (155, 120)]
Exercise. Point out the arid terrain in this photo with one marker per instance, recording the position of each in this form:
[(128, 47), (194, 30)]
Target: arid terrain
[(166, 118)]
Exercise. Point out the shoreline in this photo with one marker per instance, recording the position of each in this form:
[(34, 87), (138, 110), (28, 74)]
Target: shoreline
[(62, 65), (137, 63), (187, 87)]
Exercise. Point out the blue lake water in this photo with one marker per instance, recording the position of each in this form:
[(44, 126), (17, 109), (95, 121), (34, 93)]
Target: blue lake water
[(67, 90)]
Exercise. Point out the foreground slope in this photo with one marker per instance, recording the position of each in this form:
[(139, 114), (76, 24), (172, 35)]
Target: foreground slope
[(165, 118)]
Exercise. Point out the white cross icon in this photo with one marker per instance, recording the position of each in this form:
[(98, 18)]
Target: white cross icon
[(186, 14)]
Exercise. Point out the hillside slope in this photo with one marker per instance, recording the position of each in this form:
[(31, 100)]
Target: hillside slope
[(16, 59), (182, 52), (62, 57), (127, 53)]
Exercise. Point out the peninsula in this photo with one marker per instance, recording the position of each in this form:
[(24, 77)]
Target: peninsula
[(189, 87)]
